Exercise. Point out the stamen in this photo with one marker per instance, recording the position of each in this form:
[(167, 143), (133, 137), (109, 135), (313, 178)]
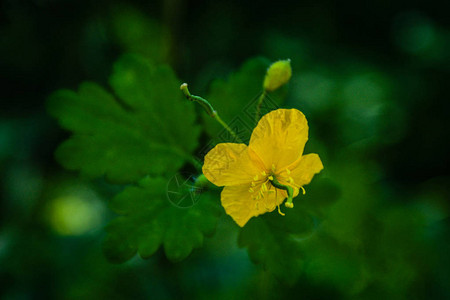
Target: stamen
[(255, 178), (251, 190), (279, 211), (253, 184), (273, 168), (270, 177), (291, 180), (257, 205), (264, 187), (303, 190), (263, 173), (288, 171), (261, 193)]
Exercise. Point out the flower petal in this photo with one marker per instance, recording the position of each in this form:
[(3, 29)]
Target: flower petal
[(241, 205), (304, 170), (279, 137), (229, 164)]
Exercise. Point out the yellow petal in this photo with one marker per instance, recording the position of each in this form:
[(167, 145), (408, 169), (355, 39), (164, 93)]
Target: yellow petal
[(241, 205), (304, 170), (279, 137), (229, 164)]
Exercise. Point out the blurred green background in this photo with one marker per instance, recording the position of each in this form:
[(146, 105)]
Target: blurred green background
[(372, 79)]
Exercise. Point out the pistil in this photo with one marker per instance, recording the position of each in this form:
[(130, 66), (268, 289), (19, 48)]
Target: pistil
[(287, 188)]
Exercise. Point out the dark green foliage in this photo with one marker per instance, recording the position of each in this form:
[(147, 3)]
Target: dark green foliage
[(150, 130), (275, 242), (150, 220)]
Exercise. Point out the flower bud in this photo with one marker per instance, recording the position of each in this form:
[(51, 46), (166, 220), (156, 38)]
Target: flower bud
[(277, 75)]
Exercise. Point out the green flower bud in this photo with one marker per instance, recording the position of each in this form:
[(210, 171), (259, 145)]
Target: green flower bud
[(277, 75)]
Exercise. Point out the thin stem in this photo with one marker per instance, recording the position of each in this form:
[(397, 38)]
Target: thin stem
[(217, 117), (208, 108), (258, 106), (203, 102)]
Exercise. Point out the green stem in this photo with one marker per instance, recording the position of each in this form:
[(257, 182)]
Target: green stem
[(217, 117), (287, 188), (203, 102), (209, 109), (258, 106)]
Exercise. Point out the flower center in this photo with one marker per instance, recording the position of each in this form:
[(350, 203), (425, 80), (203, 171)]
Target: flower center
[(270, 180)]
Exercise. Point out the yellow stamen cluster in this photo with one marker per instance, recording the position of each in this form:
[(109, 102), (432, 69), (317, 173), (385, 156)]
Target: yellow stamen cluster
[(266, 186)]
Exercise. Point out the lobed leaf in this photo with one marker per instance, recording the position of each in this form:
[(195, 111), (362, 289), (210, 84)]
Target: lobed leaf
[(149, 130), (149, 220)]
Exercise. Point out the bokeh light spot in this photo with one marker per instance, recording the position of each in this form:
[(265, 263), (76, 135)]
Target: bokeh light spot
[(73, 215)]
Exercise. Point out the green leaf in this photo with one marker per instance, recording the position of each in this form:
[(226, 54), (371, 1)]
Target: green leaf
[(274, 241), (235, 99), (150, 220), (149, 131)]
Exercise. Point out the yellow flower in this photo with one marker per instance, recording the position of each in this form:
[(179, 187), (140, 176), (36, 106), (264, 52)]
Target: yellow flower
[(258, 177)]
